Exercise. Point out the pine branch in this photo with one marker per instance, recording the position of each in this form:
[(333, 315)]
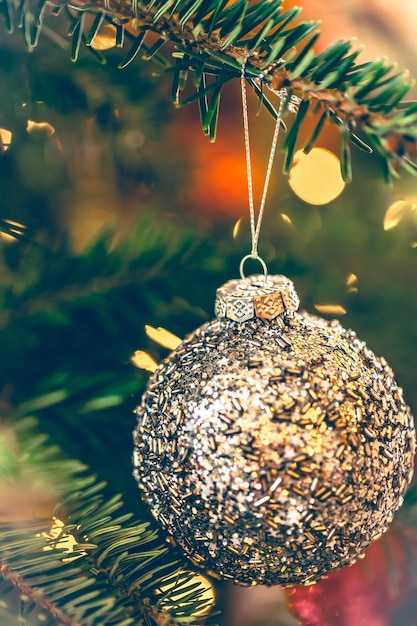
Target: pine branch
[(212, 38), (26, 290), (114, 569), (8, 576)]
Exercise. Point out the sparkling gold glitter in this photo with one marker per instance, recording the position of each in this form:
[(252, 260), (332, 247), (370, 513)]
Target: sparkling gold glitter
[(273, 451)]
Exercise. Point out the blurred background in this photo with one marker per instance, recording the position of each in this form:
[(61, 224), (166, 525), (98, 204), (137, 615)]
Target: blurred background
[(120, 213)]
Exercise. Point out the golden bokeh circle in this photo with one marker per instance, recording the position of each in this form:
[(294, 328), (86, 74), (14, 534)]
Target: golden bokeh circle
[(316, 177)]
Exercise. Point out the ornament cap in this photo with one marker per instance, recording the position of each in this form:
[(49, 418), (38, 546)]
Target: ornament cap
[(266, 297)]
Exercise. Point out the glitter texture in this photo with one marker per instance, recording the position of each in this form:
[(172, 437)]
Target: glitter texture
[(273, 451)]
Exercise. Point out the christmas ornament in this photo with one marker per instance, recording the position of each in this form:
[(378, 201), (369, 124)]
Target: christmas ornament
[(272, 445)]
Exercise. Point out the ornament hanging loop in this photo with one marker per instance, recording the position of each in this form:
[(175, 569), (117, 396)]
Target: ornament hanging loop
[(256, 222), (255, 257)]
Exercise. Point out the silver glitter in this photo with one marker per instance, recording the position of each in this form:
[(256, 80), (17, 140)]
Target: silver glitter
[(273, 452)]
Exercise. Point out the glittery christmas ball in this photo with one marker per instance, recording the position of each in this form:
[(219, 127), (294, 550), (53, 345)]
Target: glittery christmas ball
[(273, 446)]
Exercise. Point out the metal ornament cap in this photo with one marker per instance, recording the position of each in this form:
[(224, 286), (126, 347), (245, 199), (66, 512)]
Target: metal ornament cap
[(266, 297)]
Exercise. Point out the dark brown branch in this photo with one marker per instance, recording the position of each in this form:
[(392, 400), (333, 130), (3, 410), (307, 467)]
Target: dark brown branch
[(32, 594)]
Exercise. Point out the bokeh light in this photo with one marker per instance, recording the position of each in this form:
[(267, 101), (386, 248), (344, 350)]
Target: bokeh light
[(399, 210), (316, 177), (5, 139), (330, 309), (236, 228), (143, 361), (163, 337), (286, 219), (352, 283), (105, 38), (207, 593), (40, 128)]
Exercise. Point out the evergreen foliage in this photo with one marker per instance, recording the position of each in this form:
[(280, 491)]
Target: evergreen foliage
[(114, 572), (211, 39), (123, 572)]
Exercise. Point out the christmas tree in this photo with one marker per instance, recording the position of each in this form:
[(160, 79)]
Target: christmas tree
[(118, 221)]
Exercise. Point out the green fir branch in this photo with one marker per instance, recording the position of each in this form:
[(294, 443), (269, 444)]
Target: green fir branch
[(117, 569), (212, 39)]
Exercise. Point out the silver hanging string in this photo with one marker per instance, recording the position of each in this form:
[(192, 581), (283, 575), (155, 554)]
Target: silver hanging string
[(255, 224)]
